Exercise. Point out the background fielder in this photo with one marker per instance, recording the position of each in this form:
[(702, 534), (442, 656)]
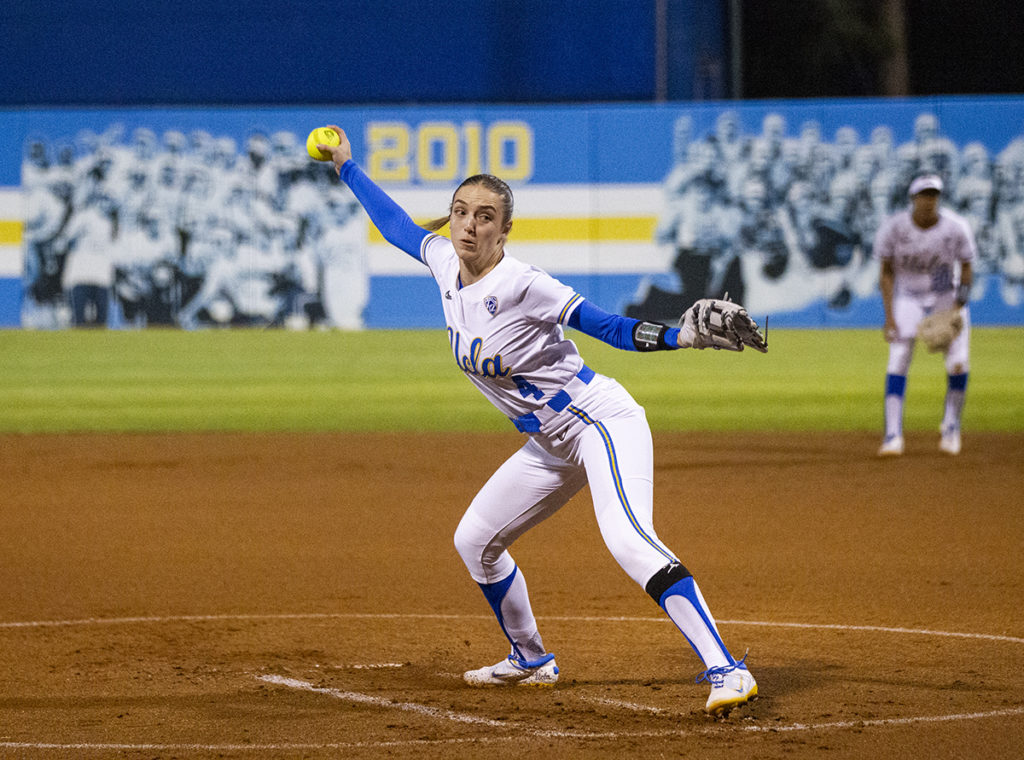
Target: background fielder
[(926, 254)]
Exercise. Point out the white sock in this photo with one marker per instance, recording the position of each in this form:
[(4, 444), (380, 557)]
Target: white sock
[(956, 393), (893, 416), (519, 620), (511, 604), (686, 606)]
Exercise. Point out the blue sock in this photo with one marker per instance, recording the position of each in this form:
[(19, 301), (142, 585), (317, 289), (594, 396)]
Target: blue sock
[(895, 385), (895, 390)]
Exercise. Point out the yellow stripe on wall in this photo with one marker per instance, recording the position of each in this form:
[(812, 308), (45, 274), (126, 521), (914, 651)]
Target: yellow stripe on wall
[(566, 229), (529, 229), (10, 233)]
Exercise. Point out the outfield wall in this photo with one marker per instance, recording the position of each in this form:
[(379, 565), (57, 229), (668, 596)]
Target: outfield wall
[(215, 217)]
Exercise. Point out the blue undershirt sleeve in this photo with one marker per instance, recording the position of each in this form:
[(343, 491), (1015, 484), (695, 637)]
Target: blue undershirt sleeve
[(615, 330), (394, 224)]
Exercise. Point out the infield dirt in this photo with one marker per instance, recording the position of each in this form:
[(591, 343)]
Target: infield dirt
[(265, 596)]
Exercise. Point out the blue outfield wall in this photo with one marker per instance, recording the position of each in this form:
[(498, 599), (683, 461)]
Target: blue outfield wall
[(200, 217)]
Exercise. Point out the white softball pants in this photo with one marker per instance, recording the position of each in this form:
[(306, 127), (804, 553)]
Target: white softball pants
[(603, 439), (908, 311)]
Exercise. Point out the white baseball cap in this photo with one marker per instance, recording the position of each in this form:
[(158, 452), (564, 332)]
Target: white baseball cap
[(925, 182)]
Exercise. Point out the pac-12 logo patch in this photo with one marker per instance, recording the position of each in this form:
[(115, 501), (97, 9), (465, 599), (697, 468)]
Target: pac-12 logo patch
[(491, 302)]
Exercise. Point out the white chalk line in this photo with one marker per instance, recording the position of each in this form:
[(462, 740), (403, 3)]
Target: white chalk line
[(1005, 712), (520, 729), (425, 616), (476, 720), (367, 699), (515, 736), (517, 730), (622, 704), (433, 712), (879, 629), (1009, 711)]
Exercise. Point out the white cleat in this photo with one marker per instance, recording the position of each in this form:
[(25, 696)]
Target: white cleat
[(892, 446), (515, 672), (950, 442), (731, 687)]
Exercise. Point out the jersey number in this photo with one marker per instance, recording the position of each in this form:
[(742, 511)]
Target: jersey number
[(942, 279), (527, 388)]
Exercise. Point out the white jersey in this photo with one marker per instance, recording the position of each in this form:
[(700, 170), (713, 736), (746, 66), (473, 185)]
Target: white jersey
[(925, 261), (506, 328), (91, 235)]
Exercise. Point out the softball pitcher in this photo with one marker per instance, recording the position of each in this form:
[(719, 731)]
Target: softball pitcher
[(505, 326), (926, 255)]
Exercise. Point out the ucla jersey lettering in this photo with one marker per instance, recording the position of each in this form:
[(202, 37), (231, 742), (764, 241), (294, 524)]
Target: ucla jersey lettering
[(472, 363), (920, 262)]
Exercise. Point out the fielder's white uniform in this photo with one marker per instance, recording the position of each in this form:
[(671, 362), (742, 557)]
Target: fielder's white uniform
[(506, 334), (926, 264)]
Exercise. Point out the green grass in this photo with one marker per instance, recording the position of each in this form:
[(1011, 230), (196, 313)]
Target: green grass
[(163, 380)]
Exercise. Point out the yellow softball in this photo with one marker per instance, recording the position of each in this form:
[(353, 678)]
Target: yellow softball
[(321, 136)]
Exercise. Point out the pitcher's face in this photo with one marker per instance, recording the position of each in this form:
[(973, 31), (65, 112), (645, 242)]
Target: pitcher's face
[(478, 228)]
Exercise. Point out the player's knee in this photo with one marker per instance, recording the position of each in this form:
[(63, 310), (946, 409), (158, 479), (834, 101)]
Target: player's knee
[(625, 552), (480, 550), (899, 357), (467, 543)]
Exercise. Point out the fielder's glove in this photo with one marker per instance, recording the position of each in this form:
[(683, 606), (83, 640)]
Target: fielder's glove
[(719, 323), (939, 328)]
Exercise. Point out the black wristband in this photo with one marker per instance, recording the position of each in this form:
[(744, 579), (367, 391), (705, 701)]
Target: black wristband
[(963, 293), (650, 336)]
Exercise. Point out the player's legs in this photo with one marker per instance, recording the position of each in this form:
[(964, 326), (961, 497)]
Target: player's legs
[(79, 299), (618, 456), (957, 371), (900, 353), (528, 488), (907, 313), (895, 394), (101, 298)]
